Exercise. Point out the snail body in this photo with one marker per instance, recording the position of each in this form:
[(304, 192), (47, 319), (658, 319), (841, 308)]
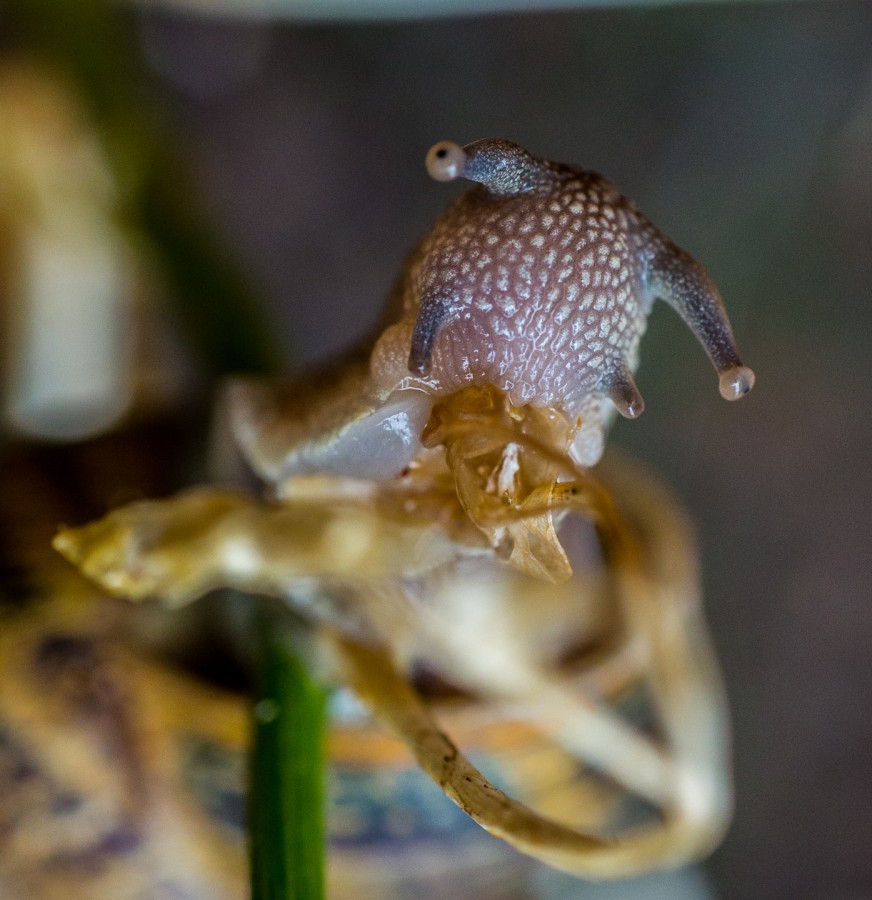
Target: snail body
[(538, 281)]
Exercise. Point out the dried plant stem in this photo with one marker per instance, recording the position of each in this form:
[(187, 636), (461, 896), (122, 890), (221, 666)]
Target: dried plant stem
[(649, 551)]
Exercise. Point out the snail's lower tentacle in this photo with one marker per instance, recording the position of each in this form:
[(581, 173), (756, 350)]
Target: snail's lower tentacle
[(622, 391), (433, 314)]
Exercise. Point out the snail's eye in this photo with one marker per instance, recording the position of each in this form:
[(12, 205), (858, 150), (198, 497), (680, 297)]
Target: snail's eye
[(445, 161)]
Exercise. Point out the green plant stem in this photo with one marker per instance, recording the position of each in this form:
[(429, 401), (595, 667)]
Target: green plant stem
[(286, 809)]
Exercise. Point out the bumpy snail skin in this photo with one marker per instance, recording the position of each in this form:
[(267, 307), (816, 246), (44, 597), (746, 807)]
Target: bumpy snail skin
[(539, 281)]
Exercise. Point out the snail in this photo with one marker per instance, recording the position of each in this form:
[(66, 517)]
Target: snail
[(419, 493), (538, 282)]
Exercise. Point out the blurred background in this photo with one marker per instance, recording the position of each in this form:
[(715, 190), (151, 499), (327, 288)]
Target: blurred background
[(189, 192)]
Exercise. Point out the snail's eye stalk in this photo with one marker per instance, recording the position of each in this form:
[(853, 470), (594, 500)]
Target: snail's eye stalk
[(679, 279), (736, 381), (445, 161)]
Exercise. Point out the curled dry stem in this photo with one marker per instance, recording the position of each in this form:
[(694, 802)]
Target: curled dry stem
[(652, 565), (388, 583)]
